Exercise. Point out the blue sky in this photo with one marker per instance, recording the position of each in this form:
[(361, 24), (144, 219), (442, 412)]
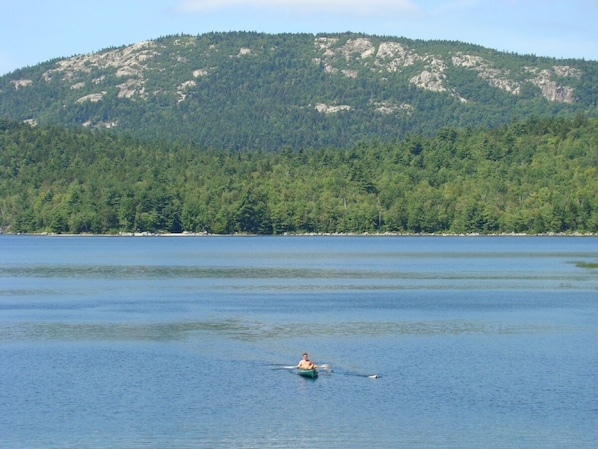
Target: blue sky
[(34, 31)]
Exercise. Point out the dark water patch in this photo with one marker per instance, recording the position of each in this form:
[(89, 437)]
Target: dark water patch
[(238, 329)]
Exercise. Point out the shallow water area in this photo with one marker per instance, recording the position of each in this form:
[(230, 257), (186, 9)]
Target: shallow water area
[(189, 342)]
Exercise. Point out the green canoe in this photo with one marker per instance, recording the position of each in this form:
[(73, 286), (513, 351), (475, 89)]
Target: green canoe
[(311, 373)]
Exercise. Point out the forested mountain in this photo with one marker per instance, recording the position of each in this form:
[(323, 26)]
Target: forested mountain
[(251, 91), (257, 133), (534, 176)]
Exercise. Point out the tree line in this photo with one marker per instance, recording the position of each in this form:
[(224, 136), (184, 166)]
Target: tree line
[(533, 176)]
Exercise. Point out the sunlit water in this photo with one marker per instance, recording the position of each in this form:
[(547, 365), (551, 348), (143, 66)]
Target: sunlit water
[(130, 342)]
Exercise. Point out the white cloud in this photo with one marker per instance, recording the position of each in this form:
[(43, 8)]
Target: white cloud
[(366, 8)]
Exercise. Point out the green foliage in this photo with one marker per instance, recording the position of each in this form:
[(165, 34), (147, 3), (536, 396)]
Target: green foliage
[(587, 264), (533, 176), (254, 91)]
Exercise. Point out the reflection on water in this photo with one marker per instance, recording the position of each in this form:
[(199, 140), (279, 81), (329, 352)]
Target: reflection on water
[(271, 272), (306, 279), (237, 329)]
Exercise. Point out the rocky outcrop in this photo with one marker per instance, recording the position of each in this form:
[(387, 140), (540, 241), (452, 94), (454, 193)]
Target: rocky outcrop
[(551, 90), (330, 109), (245, 78), (129, 61), (336, 56), (385, 107), (182, 88), (21, 83), (433, 77), (498, 78), (392, 56), (93, 98), (544, 79)]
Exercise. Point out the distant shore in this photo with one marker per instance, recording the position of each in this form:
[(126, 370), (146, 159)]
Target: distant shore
[(308, 234)]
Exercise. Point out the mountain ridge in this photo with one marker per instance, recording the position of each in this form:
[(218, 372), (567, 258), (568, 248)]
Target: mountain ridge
[(245, 90)]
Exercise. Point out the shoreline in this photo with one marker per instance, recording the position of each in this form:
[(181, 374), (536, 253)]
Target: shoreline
[(314, 234)]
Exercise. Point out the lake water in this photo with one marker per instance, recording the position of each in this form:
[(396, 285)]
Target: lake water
[(187, 342)]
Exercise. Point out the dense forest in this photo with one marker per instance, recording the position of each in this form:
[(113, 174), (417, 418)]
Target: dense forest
[(255, 91), (533, 176)]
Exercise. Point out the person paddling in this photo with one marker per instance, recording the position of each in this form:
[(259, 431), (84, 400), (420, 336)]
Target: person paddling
[(305, 363)]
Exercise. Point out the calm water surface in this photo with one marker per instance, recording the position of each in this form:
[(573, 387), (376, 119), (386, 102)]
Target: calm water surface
[(172, 342)]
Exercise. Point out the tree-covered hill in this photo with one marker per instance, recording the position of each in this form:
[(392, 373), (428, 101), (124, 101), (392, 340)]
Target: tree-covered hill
[(252, 91), (533, 176)]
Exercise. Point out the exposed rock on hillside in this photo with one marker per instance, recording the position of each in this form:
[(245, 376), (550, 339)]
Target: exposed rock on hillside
[(495, 77), (550, 89), (132, 61), (327, 109), (21, 83), (252, 90), (394, 56)]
